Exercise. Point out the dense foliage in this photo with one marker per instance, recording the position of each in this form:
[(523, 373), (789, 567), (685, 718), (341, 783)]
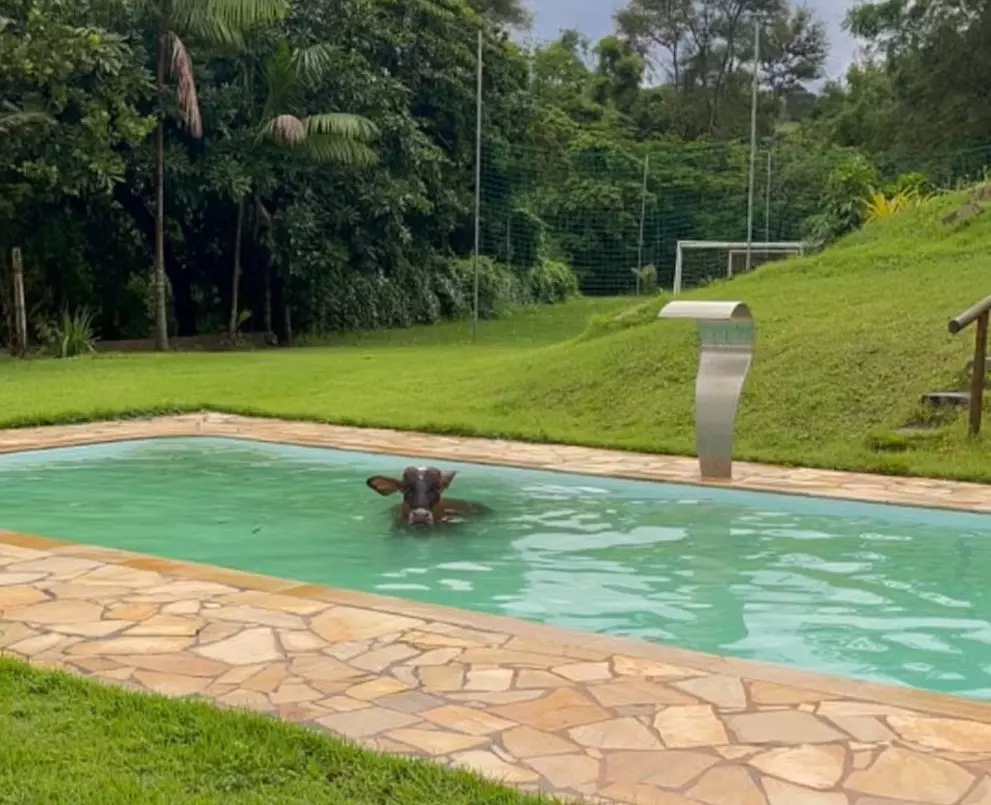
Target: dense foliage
[(317, 160)]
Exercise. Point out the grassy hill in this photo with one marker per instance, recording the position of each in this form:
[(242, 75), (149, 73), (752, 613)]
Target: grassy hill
[(848, 341)]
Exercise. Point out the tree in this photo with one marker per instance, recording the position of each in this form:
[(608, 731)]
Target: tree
[(860, 112), (10, 115), (935, 57), (619, 73), (287, 76), (69, 123), (280, 209), (704, 50), (512, 13), (219, 21)]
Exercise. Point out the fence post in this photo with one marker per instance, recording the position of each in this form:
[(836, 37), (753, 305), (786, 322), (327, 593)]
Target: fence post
[(20, 339), (643, 215), (978, 373), (767, 198), (478, 186)]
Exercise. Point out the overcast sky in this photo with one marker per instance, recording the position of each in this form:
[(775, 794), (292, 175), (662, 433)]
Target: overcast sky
[(594, 18)]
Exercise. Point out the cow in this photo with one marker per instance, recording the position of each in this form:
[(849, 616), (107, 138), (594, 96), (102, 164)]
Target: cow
[(423, 501)]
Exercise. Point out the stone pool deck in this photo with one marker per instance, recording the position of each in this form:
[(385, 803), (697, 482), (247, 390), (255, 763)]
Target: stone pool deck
[(582, 716)]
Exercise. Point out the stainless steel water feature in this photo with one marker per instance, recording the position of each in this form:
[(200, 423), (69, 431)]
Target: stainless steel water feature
[(726, 335)]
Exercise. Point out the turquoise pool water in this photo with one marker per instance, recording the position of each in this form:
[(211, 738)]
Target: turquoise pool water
[(885, 593)]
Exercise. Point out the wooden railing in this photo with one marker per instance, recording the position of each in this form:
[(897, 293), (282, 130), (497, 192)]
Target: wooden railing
[(978, 313)]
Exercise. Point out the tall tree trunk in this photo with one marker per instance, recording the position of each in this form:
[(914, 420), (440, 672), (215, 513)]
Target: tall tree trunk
[(20, 308), (236, 275), (725, 62), (288, 323), (161, 314), (268, 299), (267, 267)]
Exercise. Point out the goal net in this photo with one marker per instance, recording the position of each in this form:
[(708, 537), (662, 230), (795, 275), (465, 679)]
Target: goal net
[(699, 262)]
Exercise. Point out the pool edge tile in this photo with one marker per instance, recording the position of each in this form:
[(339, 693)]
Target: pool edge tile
[(906, 491)]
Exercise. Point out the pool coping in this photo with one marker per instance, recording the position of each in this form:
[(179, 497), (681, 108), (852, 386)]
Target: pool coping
[(908, 491), (875, 701), (834, 685)]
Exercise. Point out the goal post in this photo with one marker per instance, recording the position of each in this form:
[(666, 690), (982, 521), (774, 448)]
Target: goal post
[(732, 248)]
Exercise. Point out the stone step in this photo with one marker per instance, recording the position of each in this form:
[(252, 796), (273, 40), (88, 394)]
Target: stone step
[(936, 398)]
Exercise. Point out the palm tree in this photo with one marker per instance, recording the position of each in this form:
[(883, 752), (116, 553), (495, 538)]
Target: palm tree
[(11, 117), (219, 21), (288, 74)]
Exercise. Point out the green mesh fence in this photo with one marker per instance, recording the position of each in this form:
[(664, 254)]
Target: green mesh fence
[(616, 213), (614, 208)]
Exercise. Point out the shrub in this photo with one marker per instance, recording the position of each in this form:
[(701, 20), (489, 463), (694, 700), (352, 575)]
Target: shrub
[(842, 212), (915, 184), (646, 279), (550, 281), (499, 289), (452, 287), (68, 335), (908, 190), (527, 236), (851, 199), (331, 290), (878, 206)]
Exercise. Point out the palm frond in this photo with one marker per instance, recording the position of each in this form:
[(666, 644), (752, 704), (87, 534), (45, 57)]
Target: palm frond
[(286, 129), (437, 10), (235, 15), (12, 119), (330, 148), (207, 27), (182, 69), (312, 63), (341, 125), (281, 81)]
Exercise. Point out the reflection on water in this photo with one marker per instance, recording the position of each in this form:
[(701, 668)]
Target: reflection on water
[(874, 592)]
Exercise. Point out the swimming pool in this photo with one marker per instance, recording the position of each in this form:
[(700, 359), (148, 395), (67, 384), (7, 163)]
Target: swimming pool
[(884, 593)]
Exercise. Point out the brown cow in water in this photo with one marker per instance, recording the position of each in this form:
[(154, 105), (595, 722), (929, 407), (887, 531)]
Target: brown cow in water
[(423, 491)]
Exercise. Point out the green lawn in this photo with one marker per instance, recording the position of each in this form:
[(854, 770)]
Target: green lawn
[(67, 740), (848, 341), (528, 328)]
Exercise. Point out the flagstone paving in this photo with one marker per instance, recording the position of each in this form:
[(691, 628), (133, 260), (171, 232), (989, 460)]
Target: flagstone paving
[(580, 715)]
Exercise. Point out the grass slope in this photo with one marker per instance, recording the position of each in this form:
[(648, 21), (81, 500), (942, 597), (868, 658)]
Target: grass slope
[(67, 740), (848, 341)]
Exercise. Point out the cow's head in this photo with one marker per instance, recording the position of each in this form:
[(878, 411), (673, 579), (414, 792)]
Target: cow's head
[(422, 488)]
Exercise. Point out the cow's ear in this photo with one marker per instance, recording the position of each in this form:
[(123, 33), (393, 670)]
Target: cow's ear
[(445, 480), (383, 485)]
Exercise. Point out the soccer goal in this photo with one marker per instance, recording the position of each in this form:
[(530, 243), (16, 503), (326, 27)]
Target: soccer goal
[(736, 254)]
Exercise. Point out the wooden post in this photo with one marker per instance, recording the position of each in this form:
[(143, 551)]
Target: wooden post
[(978, 373), (20, 339)]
